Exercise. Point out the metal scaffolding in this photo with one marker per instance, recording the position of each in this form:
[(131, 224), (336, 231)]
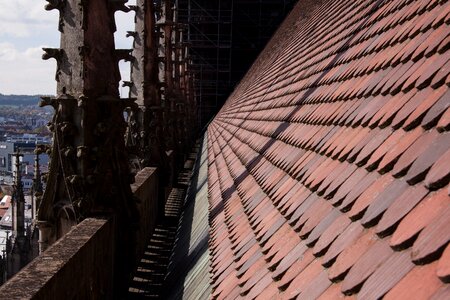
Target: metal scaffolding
[(225, 37)]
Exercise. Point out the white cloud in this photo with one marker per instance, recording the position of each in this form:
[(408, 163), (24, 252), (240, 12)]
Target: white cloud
[(24, 72), (7, 52), (21, 18), (24, 26)]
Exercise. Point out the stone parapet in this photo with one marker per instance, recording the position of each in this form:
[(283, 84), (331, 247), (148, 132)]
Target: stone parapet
[(81, 265), (145, 188), (78, 266)]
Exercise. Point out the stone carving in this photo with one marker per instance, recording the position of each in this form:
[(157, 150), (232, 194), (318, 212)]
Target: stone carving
[(89, 173)]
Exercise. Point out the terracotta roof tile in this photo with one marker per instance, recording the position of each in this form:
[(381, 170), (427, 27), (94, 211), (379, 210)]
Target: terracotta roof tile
[(386, 276), (262, 291), (333, 230), (296, 254), (310, 274), (433, 239), (439, 174), (319, 229), (432, 154), (336, 180), (442, 293), (444, 122), (347, 186), (408, 157), (394, 153), (296, 268), (328, 170), (420, 283), (379, 153), (354, 250), (436, 110), (383, 201), (316, 287), (395, 104), (333, 292), (424, 213), (344, 240), (414, 104), (371, 193), (369, 262), (367, 181), (416, 116), (259, 278), (401, 206), (311, 218), (443, 267)]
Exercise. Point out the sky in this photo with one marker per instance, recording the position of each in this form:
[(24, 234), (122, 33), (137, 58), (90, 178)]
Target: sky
[(25, 28)]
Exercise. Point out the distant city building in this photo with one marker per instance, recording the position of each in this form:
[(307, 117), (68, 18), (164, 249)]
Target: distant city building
[(36, 122), (7, 149), (29, 138), (5, 204), (21, 242)]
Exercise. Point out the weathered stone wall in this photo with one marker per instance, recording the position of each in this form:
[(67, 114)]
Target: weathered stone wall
[(78, 266), (145, 188), (81, 264)]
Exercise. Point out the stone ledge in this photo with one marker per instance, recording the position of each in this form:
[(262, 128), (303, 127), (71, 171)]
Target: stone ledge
[(81, 264), (145, 188), (78, 266)]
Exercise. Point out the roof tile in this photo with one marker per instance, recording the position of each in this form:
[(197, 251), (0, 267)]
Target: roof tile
[(442, 293), (370, 194), (268, 292), (437, 109), (347, 186), (332, 231), (444, 122), (328, 164), (392, 156), (314, 272), (288, 260), (420, 283), (417, 115), (424, 213), (382, 202), (312, 217), (443, 267), (264, 284), (417, 148), (316, 287), (439, 174), (379, 153), (423, 163), (433, 239), (334, 292), (296, 268), (387, 275), (350, 255), (413, 104), (399, 209), (368, 263)]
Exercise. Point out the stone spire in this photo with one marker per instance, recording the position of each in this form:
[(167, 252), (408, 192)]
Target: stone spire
[(37, 185), (164, 27), (144, 136), (18, 199), (89, 173), (19, 245)]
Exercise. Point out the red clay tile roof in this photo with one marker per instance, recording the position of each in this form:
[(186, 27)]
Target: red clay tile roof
[(329, 165)]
